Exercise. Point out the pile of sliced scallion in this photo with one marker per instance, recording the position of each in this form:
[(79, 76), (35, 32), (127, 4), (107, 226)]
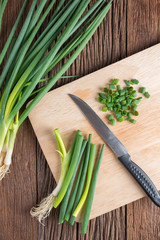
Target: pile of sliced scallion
[(76, 184), (28, 62), (122, 102)]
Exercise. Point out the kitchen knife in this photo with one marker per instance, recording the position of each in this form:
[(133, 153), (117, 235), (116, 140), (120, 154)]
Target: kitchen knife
[(118, 148)]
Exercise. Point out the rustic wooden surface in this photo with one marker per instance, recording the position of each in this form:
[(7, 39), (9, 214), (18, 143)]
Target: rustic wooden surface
[(130, 26)]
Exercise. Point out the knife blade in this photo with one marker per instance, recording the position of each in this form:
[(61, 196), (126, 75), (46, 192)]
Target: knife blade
[(119, 149)]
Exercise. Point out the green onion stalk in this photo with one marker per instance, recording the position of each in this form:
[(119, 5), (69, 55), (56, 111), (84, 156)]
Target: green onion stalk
[(46, 205), (3, 4), (30, 60)]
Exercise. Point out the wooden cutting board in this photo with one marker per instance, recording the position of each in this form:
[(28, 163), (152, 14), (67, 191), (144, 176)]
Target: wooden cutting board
[(115, 186)]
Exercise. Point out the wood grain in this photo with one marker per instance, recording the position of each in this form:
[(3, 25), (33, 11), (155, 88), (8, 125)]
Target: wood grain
[(131, 26)]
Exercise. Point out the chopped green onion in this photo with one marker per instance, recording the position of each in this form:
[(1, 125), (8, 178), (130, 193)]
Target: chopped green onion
[(133, 121), (147, 95), (121, 98), (104, 109), (110, 117), (129, 116), (127, 83), (118, 115), (131, 82), (134, 93), (110, 105), (100, 100), (124, 107), (123, 102), (102, 95), (105, 90), (135, 113), (136, 101), (120, 101), (115, 81), (134, 107), (130, 89), (121, 119), (122, 92), (135, 81), (112, 86), (139, 98), (124, 113), (113, 122), (118, 87), (142, 90)]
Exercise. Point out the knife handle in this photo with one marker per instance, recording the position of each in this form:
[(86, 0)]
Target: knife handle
[(141, 177)]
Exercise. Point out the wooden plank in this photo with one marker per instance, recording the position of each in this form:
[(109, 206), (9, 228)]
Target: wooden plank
[(143, 26), (18, 189)]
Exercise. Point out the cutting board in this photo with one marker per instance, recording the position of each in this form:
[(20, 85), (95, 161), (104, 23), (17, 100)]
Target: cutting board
[(115, 187)]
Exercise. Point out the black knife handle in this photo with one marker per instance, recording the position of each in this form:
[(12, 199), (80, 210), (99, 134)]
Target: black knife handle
[(141, 177)]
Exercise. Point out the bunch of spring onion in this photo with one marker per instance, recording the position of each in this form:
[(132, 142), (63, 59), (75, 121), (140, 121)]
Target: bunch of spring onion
[(3, 4), (67, 33), (76, 183)]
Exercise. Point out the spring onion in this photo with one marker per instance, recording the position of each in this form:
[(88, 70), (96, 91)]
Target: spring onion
[(70, 172), (28, 63), (91, 193), (113, 122), (142, 90), (127, 83), (66, 197), (133, 121), (110, 117), (147, 95), (77, 191), (3, 4), (46, 205), (112, 86), (88, 181), (104, 109), (115, 81), (135, 81)]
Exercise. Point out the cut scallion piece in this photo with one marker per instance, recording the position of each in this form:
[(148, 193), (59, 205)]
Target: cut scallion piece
[(66, 197), (127, 83), (147, 95), (88, 181), (79, 189), (135, 81), (115, 81), (91, 193), (104, 109), (110, 117), (133, 121), (112, 86), (70, 172), (113, 122)]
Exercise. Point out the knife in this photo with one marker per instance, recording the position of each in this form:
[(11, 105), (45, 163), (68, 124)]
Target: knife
[(118, 148)]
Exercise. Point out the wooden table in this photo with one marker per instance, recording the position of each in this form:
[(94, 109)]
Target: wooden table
[(131, 26)]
